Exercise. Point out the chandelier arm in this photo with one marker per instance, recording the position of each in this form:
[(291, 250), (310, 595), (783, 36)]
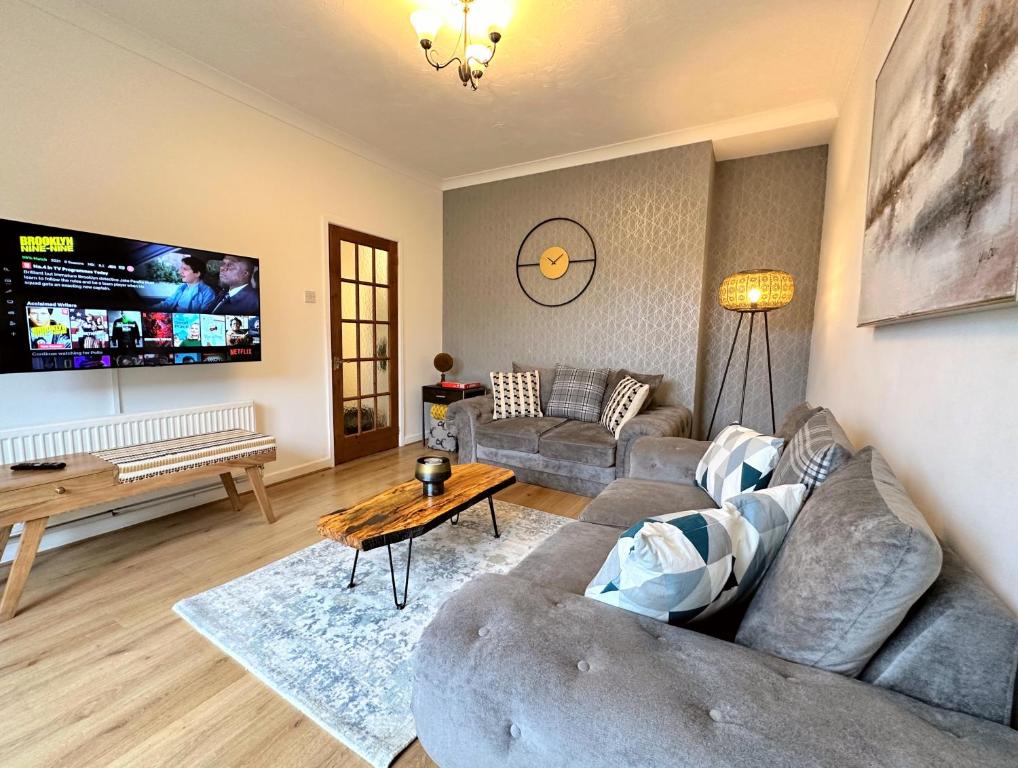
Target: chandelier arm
[(494, 47), (435, 64)]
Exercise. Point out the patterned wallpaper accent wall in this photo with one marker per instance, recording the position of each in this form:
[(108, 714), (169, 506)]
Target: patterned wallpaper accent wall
[(669, 225), (648, 215), (766, 211)]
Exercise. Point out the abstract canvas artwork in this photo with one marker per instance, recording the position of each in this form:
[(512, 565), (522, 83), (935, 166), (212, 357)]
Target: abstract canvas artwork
[(942, 207)]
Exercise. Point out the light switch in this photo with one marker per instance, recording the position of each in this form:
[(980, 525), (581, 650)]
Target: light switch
[(309, 297)]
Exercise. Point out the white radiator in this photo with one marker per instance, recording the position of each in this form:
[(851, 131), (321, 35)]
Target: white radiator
[(37, 443)]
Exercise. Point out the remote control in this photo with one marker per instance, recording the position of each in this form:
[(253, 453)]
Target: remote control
[(33, 465)]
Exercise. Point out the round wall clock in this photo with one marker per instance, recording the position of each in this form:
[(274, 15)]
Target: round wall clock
[(556, 261)]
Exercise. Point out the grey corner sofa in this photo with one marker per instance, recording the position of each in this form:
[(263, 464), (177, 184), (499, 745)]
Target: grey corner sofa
[(576, 456), (520, 670)]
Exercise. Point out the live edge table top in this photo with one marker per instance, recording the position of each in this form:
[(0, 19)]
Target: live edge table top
[(404, 512)]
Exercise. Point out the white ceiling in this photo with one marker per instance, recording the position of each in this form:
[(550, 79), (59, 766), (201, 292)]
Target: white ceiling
[(570, 75)]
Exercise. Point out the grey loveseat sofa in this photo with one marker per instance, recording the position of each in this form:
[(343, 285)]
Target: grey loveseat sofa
[(576, 456), (521, 670)]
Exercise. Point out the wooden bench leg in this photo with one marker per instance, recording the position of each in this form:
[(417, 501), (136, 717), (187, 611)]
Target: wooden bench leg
[(5, 535), (31, 535), (231, 490), (254, 474)]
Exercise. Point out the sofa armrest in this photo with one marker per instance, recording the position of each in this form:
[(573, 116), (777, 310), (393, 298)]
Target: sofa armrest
[(662, 421), (669, 459), (510, 674), (467, 415)]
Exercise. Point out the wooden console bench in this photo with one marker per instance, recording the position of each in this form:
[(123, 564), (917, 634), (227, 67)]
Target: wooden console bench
[(94, 478)]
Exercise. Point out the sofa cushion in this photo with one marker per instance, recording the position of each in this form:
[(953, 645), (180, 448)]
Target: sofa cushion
[(515, 395), (794, 419), (579, 441), (625, 501), (958, 648), (569, 558), (817, 450), (522, 434), (686, 566), (738, 460), (858, 557), (623, 404), (577, 393), (652, 380), (547, 376)]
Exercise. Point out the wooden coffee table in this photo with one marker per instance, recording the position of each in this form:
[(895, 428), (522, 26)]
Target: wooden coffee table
[(404, 513)]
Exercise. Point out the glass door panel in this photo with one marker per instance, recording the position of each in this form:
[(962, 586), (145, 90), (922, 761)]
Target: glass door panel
[(364, 332)]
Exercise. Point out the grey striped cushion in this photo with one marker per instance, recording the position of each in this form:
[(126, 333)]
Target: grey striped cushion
[(516, 394), (577, 393), (623, 404), (817, 450)]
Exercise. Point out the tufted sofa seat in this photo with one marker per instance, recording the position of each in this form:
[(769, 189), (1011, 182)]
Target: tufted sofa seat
[(516, 674), (521, 671)]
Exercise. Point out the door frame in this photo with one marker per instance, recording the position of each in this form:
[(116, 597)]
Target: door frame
[(326, 316)]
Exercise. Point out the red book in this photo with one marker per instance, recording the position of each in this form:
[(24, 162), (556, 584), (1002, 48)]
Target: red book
[(461, 385)]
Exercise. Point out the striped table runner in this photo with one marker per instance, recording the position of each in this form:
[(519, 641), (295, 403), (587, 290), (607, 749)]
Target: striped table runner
[(138, 462)]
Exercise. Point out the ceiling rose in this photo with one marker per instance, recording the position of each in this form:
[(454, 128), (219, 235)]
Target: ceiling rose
[(472, 57)]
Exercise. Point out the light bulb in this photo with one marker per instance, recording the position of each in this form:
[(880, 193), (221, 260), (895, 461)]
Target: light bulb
[(494, 15), (754, 295), (426, 23), (478, 55)]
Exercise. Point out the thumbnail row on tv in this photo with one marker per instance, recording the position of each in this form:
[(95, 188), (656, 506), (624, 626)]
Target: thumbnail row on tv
[(53, 328)]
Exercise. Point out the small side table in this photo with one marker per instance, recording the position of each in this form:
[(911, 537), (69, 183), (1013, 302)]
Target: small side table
[(435, 394)]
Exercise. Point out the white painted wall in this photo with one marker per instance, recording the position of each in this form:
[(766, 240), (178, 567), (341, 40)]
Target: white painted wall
[(104, 131), (936, 396)]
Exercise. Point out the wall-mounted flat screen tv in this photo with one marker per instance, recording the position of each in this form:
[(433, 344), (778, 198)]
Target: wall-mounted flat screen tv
[(73, 300)]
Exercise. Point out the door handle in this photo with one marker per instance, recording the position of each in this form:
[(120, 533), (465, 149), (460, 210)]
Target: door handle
[(336, 363)]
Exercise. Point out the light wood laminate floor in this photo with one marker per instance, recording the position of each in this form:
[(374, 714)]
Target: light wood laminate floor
[(96, 670)]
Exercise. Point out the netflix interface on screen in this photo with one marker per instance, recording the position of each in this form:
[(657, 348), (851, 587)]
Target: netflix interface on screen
[(73, 300)]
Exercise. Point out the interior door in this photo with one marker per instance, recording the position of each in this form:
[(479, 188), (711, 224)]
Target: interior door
[(365, 379)]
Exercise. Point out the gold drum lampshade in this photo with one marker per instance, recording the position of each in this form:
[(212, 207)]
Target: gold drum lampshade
[(756, 290)]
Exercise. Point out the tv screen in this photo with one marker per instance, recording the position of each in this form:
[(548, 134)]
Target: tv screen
[(75, 300)]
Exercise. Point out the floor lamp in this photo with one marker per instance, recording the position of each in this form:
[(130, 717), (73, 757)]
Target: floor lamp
[(752, 292)]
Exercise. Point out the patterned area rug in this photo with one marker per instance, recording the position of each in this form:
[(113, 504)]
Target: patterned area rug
[(342, 656)]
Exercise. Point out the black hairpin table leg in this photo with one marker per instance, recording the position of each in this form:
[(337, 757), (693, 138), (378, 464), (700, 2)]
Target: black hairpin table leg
[(454, 519), (494, 522), (392, 575), (356, 554)]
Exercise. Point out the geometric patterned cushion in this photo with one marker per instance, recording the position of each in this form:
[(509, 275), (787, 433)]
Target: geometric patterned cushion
[(577, 393), (625, 402), (686, 566), (516, 394), (818, 449), (739, 460)]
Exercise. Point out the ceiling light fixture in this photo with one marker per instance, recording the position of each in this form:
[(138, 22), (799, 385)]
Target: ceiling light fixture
[(472, 58)]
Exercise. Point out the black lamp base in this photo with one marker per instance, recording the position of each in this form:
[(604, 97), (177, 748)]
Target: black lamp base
[(745, 371)]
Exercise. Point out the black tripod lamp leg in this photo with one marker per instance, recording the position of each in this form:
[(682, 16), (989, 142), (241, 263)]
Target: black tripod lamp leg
[(724, 377), (770, 378), (745, 368)]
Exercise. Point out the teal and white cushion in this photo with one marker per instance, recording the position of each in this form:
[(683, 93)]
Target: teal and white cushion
[(687, 566), (624, 404), (738, 460)]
